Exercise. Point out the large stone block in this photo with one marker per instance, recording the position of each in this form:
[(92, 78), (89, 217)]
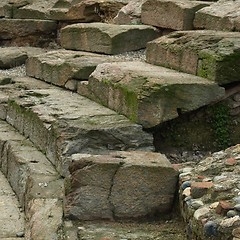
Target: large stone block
[(15, 56), (61, 123), (121, 185), (58, 67), (106, 38), (147, 94), (210, 54), (172, 14), (25, 32), (222, 16), (88, 11)]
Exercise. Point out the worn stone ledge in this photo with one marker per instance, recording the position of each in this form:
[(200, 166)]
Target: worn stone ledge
[(34, 179), (61, 123), (210, 54)]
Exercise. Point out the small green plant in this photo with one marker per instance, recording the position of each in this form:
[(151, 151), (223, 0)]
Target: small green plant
[(220, 122)]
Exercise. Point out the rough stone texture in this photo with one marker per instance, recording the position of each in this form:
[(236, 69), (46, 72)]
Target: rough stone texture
[(44, 219), (157, 13), (222, 16), (35, 182), (17, 32), (58, 67), (37, 9), (15, 56), (214, 214), (12, 218), (120, 185), (149, 94), (61, 123), (210, 54), (130, 14), (106, 38), (88, 11), (3, 3)]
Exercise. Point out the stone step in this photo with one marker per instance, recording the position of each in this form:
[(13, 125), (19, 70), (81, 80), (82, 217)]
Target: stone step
[(182, 12), (120, 185), (147, 94), (222, 16), (61, 123), (12, 217), (38, 186), (14, 56), (106, 38), (67, 68), (16, 32), (209, 54)]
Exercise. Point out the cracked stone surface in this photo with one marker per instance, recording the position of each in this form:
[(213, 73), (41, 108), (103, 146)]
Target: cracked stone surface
[(121, 185)]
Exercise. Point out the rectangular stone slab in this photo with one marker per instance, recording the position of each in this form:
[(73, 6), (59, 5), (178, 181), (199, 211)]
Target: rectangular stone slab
[(106, 38), (147, 94), (61, 123), (57, 67), (121, 185), (213, 55), (17, 32), (172, 14), (222, 16)]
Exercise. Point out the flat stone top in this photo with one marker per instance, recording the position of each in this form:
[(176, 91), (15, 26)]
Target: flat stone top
[(153, 74), (110, 29), (32, 21), (133, 158), (63, 104), (203, 39)]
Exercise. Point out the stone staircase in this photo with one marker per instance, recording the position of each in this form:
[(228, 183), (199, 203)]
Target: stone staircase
[(73, 144)]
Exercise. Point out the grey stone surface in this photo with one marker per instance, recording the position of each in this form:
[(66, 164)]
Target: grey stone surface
[(15, 56), (11, 218), (172, 14), (147, 94), (106, 38), (44, 219), (209, 54), (62, 123), (222, 16), (88, 11), (38, 186), (58, 67), (17, 32), (121, 185), (130, 14)]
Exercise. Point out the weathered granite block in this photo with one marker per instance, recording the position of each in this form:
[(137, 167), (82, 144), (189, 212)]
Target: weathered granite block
[(106, 38), (147, 94), (25, 32), (61, 123), (173, 14), (121, 185), (222, 16), (210, 54)]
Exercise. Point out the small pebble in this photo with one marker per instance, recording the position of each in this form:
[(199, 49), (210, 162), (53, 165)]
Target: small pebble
[(210, 229), (232, 213), (195, 204), (20, 234), (237, 207), (237, 199), (186, 184)]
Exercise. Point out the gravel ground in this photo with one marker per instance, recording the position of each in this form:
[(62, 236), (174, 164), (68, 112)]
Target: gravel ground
[(19, 71)]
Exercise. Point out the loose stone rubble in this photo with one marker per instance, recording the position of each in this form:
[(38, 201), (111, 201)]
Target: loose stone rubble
[(209, 196)]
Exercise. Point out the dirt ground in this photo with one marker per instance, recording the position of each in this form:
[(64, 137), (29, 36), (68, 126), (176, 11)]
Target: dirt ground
[(158, 230)]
